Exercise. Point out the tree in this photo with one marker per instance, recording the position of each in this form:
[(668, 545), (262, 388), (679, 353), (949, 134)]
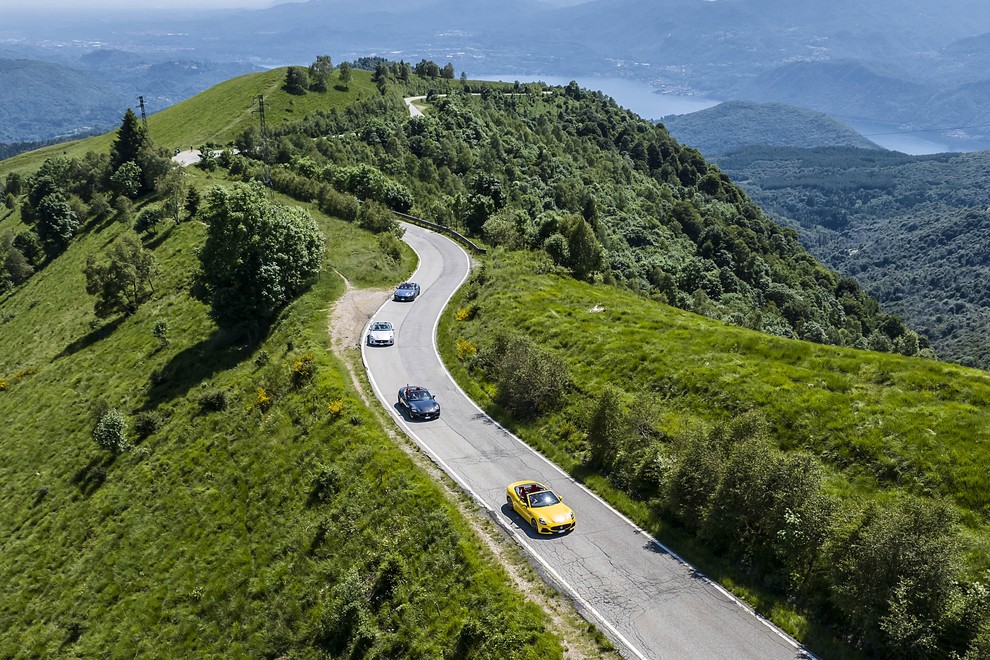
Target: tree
[(607, 429), (111, 432), (584, 250), (448, 71), (192, 202), (57, 223), (380, 78), (896, 575), (345, 74), (123, 282), (132, 139), (296, 80), (12, 184), (171, 186), (258, 254), (320, 72), (14, 266), (30, 246), (126, 180)]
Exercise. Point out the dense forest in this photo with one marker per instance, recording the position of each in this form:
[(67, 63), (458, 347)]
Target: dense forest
[(915, 230)]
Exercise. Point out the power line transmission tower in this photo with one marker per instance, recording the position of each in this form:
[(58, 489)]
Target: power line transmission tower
[(264, 139), (144, 116)]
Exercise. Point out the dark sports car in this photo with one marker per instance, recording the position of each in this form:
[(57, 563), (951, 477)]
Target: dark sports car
[(418, 402), (407, 291)]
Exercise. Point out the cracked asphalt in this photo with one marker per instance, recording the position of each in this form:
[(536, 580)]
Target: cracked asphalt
[(648, 601)]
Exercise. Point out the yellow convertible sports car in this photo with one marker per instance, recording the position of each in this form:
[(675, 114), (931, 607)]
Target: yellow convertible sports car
[(545, 512)]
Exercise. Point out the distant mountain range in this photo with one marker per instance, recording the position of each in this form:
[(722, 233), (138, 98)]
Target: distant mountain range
[(734, 124), (912, 63), (42, 100)]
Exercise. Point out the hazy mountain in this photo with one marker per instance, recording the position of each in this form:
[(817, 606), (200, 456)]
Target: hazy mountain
[(913, 63), (735, 124), (41, 100)]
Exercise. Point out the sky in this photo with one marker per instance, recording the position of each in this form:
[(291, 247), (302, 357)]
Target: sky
[(36, 6)]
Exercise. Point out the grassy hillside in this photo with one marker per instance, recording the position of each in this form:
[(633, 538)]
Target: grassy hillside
[(735, 124), (258, 514), (215, 116)]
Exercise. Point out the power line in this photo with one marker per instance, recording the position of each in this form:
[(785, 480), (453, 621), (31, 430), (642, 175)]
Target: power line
[(144, 116)]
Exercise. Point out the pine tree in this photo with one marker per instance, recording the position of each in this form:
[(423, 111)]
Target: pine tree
[(132, 139)]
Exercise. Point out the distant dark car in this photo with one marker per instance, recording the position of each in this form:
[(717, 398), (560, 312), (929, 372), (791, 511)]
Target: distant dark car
[(418, 402), (407, 291)]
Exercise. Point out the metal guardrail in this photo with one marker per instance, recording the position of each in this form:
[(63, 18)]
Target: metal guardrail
[(443, 230)]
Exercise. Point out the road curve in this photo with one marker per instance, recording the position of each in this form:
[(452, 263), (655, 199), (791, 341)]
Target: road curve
[(647, 600)]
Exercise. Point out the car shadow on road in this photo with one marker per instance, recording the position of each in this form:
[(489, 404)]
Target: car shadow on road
[(524, 526)]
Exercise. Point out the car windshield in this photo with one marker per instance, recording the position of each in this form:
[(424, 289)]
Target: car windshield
[(381, 327), (417, 395), (407, 287), (544, 498)]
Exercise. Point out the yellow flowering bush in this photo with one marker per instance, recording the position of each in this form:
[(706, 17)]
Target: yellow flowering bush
[(336, 407), (465, 349)]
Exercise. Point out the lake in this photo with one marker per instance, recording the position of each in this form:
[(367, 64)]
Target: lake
[(644, 100), (631, 94)]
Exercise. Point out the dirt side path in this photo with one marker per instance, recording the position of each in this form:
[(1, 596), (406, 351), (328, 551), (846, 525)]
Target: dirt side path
[(346, 323)]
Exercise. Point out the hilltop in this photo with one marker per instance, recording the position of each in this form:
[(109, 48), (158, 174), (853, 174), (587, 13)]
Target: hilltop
[(734, 124)]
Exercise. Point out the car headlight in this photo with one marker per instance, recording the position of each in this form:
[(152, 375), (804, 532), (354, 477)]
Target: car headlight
[(542, 521), (572, 515)]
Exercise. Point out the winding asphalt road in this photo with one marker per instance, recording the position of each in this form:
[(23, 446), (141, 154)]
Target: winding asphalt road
[(647, 600)]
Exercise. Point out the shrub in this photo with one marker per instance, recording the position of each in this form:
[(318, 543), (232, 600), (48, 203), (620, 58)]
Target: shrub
[(110, 432), (262, 358), (213, 401), (263, 400), (377, 219), (4, 384), (149, 219), (302, 370), (147, 423), (160, 331), (529, 380), (336, 408), (390, 246), (324, 485), (465, 349)]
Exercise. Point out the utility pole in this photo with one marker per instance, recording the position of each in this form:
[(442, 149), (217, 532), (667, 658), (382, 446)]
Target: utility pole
[(264, 139), (144, 116)]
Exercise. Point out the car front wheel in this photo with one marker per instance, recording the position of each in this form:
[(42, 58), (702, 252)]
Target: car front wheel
[(532, 523)]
